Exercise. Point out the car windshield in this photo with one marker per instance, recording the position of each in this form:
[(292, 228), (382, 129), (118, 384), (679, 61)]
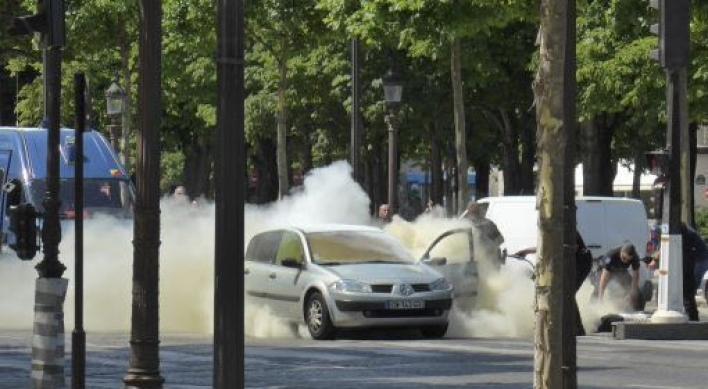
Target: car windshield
[(350, 247), (106, 195)]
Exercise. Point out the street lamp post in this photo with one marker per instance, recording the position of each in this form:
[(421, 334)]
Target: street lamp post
[(393, 90), (144, 365), (115, 105)]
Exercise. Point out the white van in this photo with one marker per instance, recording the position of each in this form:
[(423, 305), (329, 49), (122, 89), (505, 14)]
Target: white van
[(603, 222)]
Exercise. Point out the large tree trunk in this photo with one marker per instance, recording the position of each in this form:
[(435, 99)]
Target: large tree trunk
[(460, 127), (554, 119), (282, 156)]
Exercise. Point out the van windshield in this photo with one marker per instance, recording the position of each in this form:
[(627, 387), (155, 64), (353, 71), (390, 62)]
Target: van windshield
[(113, 196)]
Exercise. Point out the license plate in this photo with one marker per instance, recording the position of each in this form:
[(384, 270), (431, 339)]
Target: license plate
[(405, 304)]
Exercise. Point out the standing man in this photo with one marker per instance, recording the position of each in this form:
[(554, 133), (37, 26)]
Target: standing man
[(616, 263), (487, 230)]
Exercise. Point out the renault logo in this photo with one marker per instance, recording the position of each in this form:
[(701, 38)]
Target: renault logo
[(406, 289)]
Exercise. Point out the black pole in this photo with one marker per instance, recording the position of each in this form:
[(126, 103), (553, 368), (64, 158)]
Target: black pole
[(569, 307), (230, 175), (50, 266), (78, 337), (355, 151), (144, 369)]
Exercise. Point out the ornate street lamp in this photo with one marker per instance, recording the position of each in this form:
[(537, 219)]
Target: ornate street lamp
[(115, 106), (393, 91)]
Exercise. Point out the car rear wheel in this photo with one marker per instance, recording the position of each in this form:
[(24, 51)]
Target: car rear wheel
[(317, 316), (434, 332)]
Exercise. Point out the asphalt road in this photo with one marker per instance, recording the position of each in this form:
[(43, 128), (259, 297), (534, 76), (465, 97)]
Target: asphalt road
[(380, 360)]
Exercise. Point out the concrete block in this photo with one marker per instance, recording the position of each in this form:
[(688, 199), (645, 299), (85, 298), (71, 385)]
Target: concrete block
[(660, 331)]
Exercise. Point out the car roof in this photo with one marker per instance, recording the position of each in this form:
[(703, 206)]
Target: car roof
[(516, 199)]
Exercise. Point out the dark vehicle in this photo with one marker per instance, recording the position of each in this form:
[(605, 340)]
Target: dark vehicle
[(23, 174)]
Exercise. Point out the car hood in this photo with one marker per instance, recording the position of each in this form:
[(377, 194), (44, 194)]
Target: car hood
[(385, 272)]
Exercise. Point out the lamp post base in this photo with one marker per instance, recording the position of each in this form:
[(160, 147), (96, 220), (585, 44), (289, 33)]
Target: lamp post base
[(665, 316), (143, 380)]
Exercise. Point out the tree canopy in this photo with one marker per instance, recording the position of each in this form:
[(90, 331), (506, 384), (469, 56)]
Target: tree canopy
[(615, 76)]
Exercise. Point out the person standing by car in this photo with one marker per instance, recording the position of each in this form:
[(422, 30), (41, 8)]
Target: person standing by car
[(695, 265), (615, 265), (488, 231)]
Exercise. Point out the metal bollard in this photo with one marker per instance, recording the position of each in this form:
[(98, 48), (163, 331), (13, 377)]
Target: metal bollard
[(48, 335)]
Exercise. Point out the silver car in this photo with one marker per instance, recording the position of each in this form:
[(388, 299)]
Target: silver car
[(342, 276)]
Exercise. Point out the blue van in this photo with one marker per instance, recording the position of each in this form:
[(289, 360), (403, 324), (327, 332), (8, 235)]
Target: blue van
[(23, 162)]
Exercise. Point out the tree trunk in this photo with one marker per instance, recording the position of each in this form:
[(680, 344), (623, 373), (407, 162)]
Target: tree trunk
[(553, 122), (197, 168), (482, 170), (528, 158), (306, 152), (460, 127), (282, 156), (598, 168), (686, 168), (126, 117), (436, 165), (637, 173), (693, 147), (451, 181), (266, 171), (510, 153)]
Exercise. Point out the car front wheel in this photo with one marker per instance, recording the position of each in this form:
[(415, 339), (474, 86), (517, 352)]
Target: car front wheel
[(434, 332), (317, 316)]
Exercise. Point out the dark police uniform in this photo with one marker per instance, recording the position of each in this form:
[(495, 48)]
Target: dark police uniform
[(695, 256), (583, 265), (613, 263)]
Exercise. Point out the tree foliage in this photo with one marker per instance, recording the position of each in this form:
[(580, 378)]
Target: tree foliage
[(497, 37)]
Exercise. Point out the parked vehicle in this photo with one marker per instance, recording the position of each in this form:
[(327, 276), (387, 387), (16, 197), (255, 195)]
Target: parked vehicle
[(603, 222), (341, 276), (23, 174)]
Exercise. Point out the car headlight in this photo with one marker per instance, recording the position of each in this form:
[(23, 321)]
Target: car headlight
[(440, 284), (351, 286)]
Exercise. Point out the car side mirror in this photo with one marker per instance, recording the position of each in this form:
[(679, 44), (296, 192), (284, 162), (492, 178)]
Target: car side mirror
[(291, 262), (437, 261), (13, 188)]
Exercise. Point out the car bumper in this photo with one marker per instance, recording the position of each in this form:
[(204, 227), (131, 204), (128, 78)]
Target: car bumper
[(373, 311)]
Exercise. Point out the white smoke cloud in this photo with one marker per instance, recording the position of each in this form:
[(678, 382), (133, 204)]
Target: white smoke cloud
[(329, 195)]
